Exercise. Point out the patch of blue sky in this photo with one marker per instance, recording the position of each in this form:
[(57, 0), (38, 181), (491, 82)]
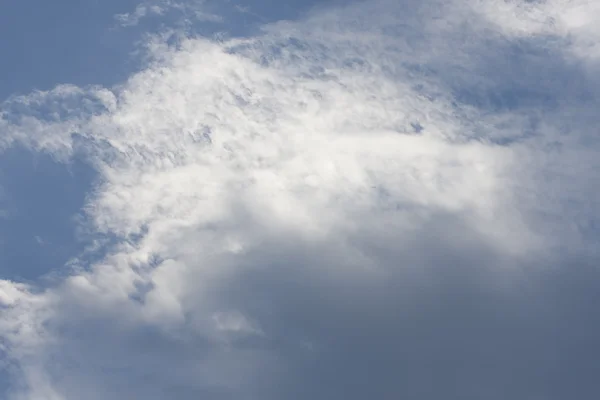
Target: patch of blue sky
[(44, 44), (42, 205)]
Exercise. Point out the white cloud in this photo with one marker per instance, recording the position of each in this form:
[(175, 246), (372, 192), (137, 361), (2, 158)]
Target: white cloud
[(191, 9), (274, 191)]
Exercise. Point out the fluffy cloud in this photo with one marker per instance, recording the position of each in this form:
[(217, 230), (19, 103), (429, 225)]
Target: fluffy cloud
[(381, 199)]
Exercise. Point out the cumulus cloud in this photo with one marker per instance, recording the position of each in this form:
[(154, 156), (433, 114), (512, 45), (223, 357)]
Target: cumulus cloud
[(382, 199)]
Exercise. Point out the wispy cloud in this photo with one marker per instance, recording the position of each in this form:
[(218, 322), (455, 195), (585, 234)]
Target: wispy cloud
[(380, 180), (191, 9)]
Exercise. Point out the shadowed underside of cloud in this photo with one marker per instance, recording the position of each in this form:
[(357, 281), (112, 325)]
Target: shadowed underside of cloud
[(383, 199)]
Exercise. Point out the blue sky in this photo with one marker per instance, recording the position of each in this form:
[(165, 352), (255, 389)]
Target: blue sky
[(34, 33), (302, 199)]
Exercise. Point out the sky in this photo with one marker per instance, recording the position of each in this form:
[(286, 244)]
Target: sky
[(388, 199)]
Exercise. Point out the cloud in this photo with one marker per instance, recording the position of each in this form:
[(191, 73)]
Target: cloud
[(193, 10), (280, 227)]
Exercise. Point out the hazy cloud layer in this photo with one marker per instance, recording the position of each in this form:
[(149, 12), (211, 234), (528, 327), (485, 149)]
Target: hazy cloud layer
[(379, 200)]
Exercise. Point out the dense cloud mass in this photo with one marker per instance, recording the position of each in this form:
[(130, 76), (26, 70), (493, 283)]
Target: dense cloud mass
[(383, 199)]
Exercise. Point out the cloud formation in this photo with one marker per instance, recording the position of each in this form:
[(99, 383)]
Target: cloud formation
[(378, 200), (191, 10)]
